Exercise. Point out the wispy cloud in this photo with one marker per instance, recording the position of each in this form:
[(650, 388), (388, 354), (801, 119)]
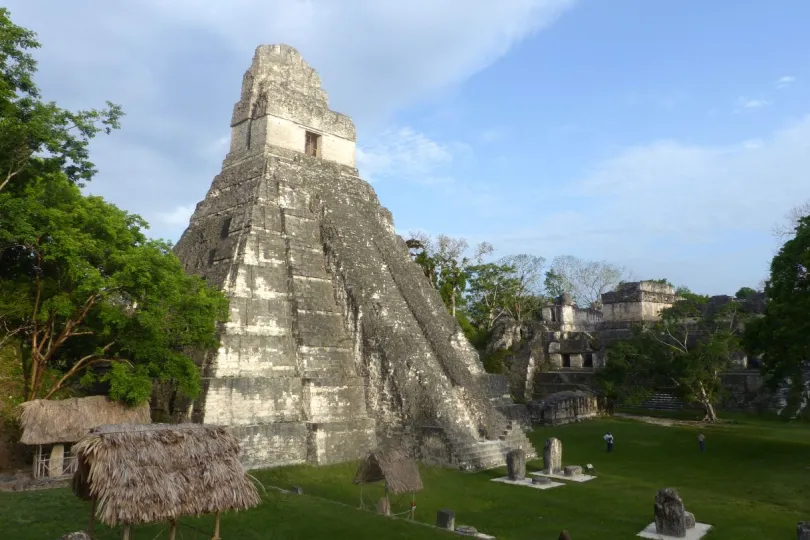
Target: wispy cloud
[(405, 154), (749, 103), (492, 135), (785, 81)]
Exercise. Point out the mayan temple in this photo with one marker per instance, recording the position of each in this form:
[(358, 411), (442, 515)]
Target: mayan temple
[(336, 341)]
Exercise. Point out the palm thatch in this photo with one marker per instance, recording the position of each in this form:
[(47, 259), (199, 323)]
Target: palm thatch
[(46, 421), (143, 474), (401, 474)]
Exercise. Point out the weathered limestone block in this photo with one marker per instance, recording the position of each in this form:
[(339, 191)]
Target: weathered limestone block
[(516, 464), (446, 519), (690, 520), (467, 530), (541, 480), (669, 513), (552, 455), (572, 470), (803, 530)]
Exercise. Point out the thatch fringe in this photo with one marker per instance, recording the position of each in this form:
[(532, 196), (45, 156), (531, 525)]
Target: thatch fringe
[(401, 474), (46, 421), (143, 474)]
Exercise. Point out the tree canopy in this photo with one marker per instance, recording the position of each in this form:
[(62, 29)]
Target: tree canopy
[(84, 294), (687, 349), (782, 334)]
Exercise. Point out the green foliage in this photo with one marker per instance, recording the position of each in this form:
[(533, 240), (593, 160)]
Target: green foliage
[(39, 139), (86, 287), (81, 287), (782, 335), (496, 362), (662, 281), (745, 292), (688, 349), (556, 284), (478, 337)]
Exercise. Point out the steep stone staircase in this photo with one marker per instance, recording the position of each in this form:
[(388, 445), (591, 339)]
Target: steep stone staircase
[(487, 454), (662, 401)]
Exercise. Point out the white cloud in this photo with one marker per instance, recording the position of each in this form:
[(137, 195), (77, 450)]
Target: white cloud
[(748, 103), (179, 216), (674, 188), (176, 67), (405, 154), (785, 81)]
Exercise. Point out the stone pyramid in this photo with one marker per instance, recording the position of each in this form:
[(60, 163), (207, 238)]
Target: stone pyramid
[(336, 341)]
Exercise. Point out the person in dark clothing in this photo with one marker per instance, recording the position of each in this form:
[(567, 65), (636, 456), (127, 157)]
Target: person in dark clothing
[(609, 440), (702, 442)]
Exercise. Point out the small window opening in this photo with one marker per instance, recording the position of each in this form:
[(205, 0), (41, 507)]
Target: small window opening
[(587, 360), (211, 254), (312, 146), (553, 314), (249, 133), (226, 228), (566, 360)]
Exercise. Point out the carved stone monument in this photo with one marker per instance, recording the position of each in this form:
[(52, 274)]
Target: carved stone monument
[(516, 464), (803, 530), (336, 341), (552, 456), (669, 513)]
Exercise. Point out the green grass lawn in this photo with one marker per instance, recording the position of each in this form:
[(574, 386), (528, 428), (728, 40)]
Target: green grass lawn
[(753, 483)]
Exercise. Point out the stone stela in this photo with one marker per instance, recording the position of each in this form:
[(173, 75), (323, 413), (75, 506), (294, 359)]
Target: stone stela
[(336, 342)]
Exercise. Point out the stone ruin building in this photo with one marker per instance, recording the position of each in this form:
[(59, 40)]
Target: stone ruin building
[(559, 353), (336, 342)]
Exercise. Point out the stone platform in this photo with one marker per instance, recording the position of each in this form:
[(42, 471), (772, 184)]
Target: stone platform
[(557, 476), (695, 533), (527, 482)]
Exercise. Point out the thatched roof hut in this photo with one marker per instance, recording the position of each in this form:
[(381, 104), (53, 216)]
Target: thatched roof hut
[(159, 472), (46, 421), (400, 473)]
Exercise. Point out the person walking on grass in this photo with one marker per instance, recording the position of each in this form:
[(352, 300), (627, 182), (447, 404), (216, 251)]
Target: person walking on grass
[(609, 440), (702, 442)]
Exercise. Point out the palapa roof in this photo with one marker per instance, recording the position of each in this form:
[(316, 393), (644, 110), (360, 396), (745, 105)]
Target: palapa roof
[(46, 421), (159, 472), (401, 474)]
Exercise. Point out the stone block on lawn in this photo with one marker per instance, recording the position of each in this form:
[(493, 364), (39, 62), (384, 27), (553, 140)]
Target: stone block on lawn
[(516, 464), (541, 480), (572, 470), (446, 519), (669, 513), (80, 535), (803, 530)]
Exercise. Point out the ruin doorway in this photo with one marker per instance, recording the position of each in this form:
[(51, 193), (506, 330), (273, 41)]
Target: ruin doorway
[(587, 360), (312, 144), (566, 360)]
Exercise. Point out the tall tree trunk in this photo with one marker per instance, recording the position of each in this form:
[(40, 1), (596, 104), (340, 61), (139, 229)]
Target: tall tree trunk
[(711, 414)]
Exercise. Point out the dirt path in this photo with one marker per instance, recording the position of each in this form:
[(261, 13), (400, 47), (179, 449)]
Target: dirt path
[(666, 422)]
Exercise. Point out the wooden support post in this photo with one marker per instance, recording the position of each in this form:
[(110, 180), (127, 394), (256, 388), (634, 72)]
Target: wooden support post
[(216, 529), (173, 529), (126, 532), (92, 518)]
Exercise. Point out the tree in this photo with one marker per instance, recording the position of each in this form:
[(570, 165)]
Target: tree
[(526, 273), (445, 264), (745, 292), (585, 281), (782, 334), (491, 285), (38, 138), (688, 348), (784, 231), (83, 287)]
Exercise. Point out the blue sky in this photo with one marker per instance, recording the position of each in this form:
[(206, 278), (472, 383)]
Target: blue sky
[(666, 136)]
